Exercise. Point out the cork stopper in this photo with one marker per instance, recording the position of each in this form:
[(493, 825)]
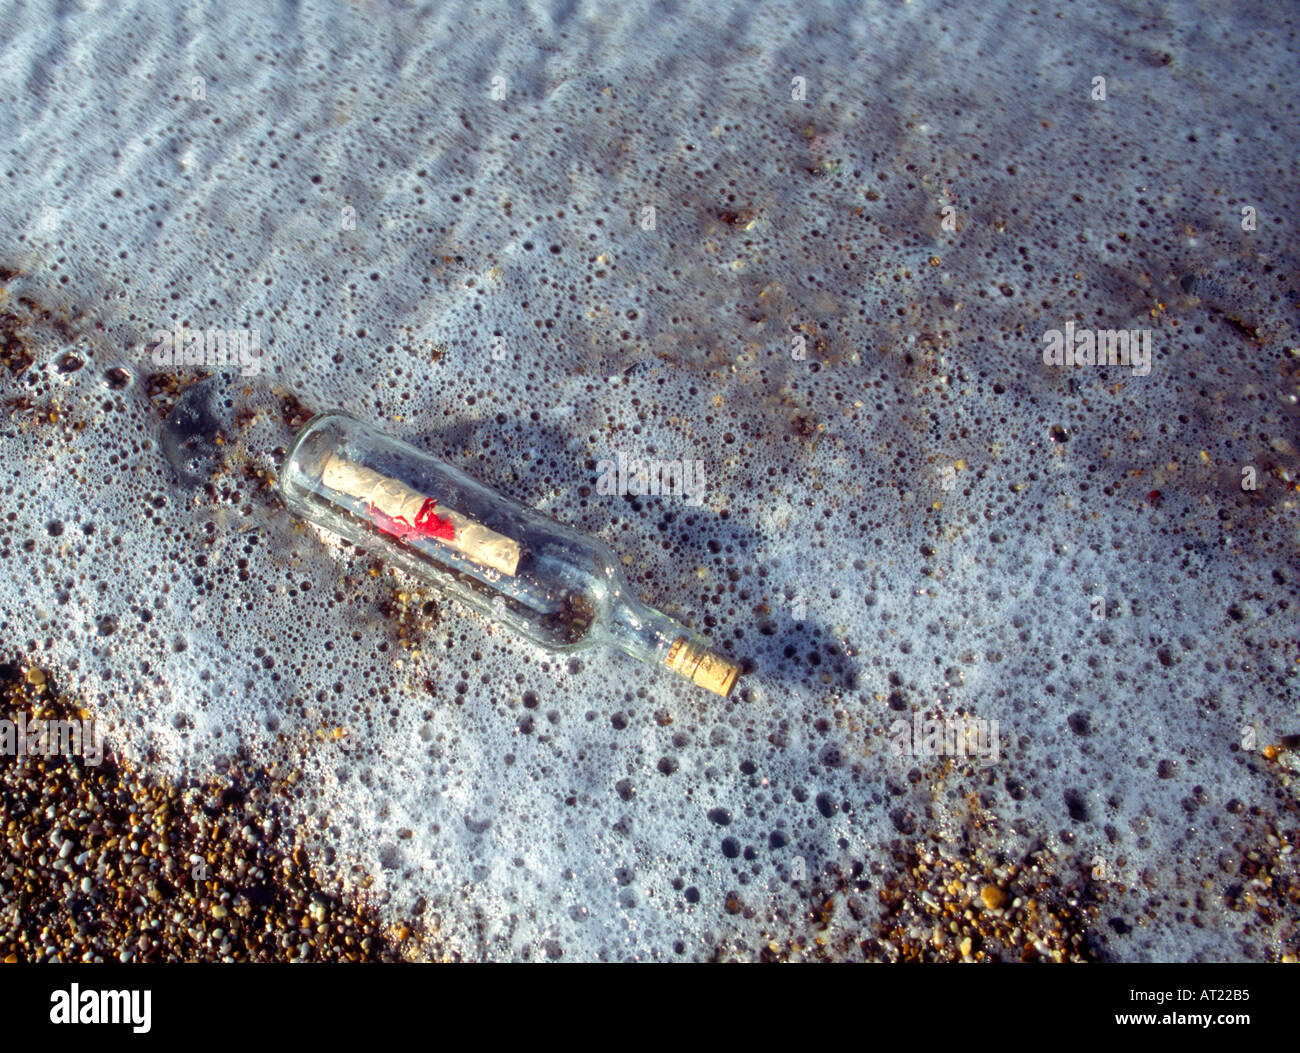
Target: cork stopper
[(705, 668)]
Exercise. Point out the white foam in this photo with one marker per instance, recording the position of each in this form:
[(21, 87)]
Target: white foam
[(569, 837)]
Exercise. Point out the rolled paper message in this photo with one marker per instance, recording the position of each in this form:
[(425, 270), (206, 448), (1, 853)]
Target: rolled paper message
[(398, 510)]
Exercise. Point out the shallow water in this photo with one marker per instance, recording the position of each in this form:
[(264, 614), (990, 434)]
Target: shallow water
[(907, 510)]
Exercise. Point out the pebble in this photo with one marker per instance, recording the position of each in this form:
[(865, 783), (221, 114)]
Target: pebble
[(141, 839)]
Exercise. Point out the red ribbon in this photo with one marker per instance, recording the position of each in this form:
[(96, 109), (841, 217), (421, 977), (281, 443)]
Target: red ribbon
[(427, 523)]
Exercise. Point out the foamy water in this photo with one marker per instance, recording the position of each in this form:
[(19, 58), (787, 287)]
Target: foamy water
[(532, 242)]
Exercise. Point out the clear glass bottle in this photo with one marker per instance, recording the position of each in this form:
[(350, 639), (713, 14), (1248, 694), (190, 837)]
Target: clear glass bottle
[(559, 588)]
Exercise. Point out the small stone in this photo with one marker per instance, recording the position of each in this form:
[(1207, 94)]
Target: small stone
[(994, 898)]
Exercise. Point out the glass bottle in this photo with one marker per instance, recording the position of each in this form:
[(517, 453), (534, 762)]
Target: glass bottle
[(553, 585)]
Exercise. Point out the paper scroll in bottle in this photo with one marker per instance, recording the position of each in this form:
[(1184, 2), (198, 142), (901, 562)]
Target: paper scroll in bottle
[(405, 513)]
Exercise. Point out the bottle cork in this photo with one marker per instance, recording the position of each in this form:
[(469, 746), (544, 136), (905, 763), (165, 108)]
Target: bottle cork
[(705, 668)]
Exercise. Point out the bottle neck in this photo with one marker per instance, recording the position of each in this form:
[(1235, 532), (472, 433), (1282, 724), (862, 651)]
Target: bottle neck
[(646, 634), (656, 639)]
